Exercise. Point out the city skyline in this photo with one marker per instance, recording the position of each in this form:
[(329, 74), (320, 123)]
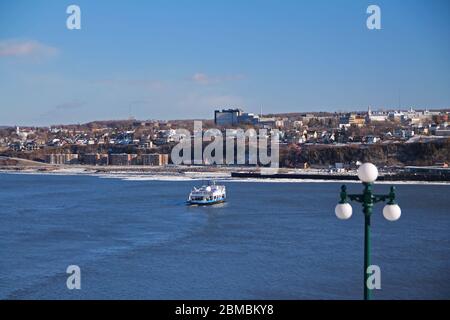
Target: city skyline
[(174, 60), (268, 115)]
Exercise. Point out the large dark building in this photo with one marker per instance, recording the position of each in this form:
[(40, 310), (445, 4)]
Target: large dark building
[(227, 117)]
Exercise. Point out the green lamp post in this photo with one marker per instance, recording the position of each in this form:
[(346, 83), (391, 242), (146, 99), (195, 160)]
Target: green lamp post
[(367, 173)]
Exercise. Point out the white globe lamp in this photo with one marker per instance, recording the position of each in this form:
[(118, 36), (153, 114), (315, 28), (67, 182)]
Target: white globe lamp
[(367, 172), (343, 211), (392, 212)]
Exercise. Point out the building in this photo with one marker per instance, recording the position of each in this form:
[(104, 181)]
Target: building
[(352, 119), (442, 132), (248, 118), (268, 122), (297, 124), (23, 133), (31, 145), (370, 139), (155, 159), (344, 122), (90, 159), (145, 143), (441, 170), (306, 117), (122, 159), (227, 117), (404, 133), (165, 137), (62, 158), (95, 159), (357, 120), (395, 115), (376, 116)]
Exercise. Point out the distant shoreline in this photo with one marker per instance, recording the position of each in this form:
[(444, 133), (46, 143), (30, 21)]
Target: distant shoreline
[(252, 174), (344, 177)]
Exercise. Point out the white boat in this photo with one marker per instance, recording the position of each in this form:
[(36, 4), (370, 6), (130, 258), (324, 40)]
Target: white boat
[(208, 194)]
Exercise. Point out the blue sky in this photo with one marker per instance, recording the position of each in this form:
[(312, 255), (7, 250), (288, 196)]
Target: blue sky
[(177, 59)]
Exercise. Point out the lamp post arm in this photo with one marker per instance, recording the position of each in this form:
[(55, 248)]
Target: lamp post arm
[(385, 197), (380, 198), (356, 197)]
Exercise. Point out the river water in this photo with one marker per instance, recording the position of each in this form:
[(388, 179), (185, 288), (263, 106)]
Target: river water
[(137, 239)]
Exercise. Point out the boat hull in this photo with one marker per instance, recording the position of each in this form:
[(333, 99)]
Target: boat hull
[(205, 202)]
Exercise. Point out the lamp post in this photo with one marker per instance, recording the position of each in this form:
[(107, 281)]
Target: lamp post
[(367, 173)]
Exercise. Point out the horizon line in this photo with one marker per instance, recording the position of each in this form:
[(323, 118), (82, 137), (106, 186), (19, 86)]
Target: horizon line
[(212, 119)]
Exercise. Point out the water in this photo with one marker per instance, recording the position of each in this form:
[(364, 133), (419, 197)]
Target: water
[(138, 240)]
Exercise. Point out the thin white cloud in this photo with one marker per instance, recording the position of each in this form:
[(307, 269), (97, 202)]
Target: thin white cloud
[(201, 78), (26, 48), (204, 79)]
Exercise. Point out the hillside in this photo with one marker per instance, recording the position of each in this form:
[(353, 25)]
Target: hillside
[(419, 154)]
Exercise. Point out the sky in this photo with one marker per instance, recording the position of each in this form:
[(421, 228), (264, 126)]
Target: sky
[(177, 59)]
